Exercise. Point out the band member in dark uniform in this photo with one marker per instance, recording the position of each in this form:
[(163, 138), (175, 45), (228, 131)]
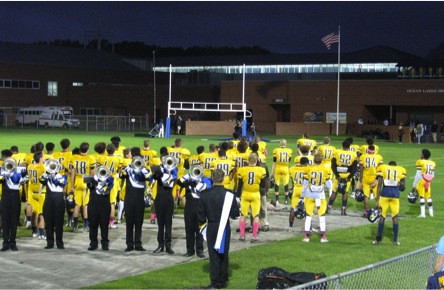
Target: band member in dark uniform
[(100, 186), (194, 183), (136, 176), (216, 205), (54, 206), (10, 203), (166, 175)]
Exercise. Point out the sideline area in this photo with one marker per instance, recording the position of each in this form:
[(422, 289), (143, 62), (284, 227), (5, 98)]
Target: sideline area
[(76, 267)]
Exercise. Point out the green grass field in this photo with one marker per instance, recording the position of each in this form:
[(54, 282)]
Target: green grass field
[(348, 248)]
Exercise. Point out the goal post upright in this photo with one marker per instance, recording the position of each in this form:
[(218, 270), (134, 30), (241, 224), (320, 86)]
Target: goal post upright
[(244, 121), (168, 120), (208, 107)]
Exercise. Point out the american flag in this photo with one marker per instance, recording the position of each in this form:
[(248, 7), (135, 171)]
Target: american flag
[(329, 39)]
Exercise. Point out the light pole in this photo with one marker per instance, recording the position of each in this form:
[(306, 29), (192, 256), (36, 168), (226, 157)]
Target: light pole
[(154, 74)]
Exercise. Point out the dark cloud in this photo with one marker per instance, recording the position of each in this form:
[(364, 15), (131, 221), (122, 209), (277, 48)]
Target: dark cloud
[(282, 27)]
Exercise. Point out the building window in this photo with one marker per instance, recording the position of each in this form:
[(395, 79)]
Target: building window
[(77, 84), (52, 89)]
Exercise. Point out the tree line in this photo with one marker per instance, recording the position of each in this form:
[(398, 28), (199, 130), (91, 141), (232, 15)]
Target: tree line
[(137, 49)]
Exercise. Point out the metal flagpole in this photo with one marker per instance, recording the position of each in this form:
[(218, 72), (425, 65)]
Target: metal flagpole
[(244, 106), (339, 72), (168, 120)]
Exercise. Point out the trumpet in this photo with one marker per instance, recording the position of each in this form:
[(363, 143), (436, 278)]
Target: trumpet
[(9, 165), (52, 166), (102, 173), (169, 162), (138, 163), (196, 172)]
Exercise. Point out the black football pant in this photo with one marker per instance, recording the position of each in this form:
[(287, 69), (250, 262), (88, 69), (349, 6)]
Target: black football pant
[(54, 213), (134, 210), (193, 236), (10, 213), (99, 209)]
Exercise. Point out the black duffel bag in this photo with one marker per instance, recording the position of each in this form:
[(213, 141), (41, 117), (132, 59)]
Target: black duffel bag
[(278, 278)]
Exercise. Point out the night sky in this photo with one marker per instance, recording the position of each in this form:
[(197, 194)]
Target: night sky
[(280, 27)]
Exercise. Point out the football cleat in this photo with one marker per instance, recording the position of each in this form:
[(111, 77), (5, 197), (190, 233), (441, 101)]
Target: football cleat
[(324, 240), (254, 239), (421, 216), (396, 243), (359, 195), (242, 238), (306, 240)]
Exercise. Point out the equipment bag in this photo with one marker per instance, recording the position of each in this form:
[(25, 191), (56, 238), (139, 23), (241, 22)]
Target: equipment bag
[(277, 278)]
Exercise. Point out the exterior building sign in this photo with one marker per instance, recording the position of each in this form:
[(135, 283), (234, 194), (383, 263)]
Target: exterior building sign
[(331, 118), (425, 91), (313, 117), (280, 101)]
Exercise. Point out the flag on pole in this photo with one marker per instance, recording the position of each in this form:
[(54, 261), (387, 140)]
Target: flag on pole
[(328, 40)]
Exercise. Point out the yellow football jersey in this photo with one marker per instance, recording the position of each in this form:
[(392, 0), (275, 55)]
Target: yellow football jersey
[(369, 164), (282, 156), (251, 177), (307, 142), (205, 159), (148, 155), (364, 149), (426, 166)]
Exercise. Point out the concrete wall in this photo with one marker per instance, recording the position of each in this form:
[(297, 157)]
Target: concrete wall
[(294, 128), (225, 128)]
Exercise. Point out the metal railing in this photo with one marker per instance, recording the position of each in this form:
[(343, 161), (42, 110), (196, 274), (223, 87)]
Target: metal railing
[(408, 271), (87, 123)]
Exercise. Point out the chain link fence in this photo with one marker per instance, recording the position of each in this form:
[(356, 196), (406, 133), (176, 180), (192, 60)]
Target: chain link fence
[(86, 122), (408, 271)]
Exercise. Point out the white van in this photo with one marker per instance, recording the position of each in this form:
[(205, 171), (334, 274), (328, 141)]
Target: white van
[(28, 116), (58, 117)]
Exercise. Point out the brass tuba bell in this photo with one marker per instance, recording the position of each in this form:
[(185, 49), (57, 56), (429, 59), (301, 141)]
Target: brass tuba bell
[(138, 163), (102, 173), (9, 165), (52, 166), (196, 172), (169, 162)]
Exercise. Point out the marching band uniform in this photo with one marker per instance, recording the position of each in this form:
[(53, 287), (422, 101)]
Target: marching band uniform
[(215, 207), (164, 204), (99, 211), (54, 208), (134, 205), (192, 195), (10, 207)]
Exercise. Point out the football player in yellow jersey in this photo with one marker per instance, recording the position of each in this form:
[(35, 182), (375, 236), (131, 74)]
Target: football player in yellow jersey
[(391, 180), (241, 159), (36, 194), (231, 151), (181, 155), (236, 139), (313, 196), (425, 172), (119, 148), (279, 169), (206, 158), (126, 161), (307, 142), (114, 164), (368, 162), (81, 165), (29, 159), (369, 141), (227, 166), (327, 152), (194, 159), (49, 151), (255, 149), (262, 146), (147, 153), (250, 178), (64, 158), (297, 172), (354, 148), (19, 157), (304, 151), (344, 166)]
